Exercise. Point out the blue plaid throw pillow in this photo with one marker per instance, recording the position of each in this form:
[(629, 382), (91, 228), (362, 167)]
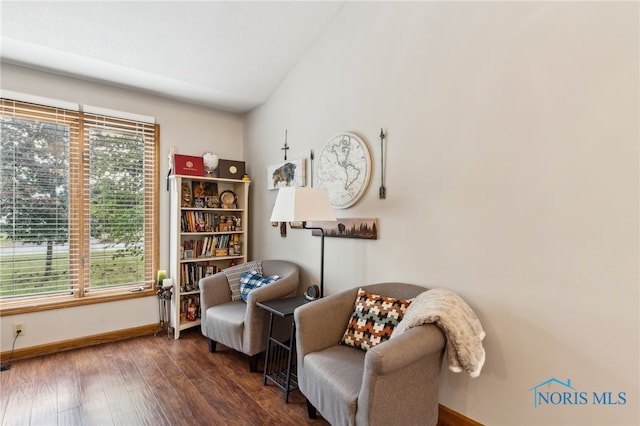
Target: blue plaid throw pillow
[(251, 280)]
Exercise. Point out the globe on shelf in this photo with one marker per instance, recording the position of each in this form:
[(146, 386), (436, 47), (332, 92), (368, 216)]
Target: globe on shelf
[(210, 162)]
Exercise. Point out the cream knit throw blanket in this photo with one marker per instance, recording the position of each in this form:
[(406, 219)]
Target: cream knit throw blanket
[(459, 323)]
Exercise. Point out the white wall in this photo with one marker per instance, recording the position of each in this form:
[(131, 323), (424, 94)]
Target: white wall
[(512, 179), (190, 128)]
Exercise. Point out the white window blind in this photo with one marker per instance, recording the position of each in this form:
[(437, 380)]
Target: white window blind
[(120, 185)]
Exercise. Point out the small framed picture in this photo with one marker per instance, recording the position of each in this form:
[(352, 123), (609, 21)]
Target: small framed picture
[(188, 254), (287, 174)]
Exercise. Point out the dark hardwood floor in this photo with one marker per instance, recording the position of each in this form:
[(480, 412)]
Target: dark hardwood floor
[(149, 381)]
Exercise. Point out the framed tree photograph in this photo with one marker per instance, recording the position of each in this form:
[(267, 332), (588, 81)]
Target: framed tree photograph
[(348, 228)]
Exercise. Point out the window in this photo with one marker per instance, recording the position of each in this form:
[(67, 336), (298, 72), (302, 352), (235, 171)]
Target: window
[(78, 206)]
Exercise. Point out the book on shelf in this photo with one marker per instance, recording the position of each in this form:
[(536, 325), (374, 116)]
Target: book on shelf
[(204, 221), (208, 246), (212, 246), (192, 272)]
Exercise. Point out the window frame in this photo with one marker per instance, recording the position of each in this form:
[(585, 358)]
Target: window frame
[(79, 207)]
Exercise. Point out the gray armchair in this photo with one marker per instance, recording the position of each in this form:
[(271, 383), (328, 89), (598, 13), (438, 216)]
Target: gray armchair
[(395, 382), (238, 325)]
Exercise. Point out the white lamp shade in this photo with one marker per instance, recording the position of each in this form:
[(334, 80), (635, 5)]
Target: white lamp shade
[(302, 204)]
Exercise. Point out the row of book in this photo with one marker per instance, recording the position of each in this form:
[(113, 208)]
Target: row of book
[(201, 221), (192, 273), (211, 246)]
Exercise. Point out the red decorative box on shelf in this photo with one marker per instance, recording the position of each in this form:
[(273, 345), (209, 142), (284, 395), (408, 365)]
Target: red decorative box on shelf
[(188, 165)]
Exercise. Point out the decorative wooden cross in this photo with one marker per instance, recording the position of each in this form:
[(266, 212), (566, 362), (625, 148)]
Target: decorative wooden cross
[(285, 148)]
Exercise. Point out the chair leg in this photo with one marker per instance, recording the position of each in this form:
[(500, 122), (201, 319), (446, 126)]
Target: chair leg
[(212, 345), (311, 410), (253, 363)]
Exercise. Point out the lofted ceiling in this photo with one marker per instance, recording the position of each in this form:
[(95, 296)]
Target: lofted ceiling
[(228, 55)]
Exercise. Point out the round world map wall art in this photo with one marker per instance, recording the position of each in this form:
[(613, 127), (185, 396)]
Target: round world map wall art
[(344, 169)]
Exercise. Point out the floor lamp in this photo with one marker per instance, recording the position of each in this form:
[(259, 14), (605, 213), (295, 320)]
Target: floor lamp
[(304, 204)]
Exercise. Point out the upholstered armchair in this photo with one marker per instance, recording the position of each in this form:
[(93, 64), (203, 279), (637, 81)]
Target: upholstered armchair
[(394, 382), (237, 324)]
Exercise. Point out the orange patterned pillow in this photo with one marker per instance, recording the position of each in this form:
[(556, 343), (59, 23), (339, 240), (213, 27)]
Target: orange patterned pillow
[(373, 319)]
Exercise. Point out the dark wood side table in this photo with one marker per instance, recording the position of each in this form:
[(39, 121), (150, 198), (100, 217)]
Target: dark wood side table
[(279, 364)]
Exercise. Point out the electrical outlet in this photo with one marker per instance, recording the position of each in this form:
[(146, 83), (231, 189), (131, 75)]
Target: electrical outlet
[(18, 328)]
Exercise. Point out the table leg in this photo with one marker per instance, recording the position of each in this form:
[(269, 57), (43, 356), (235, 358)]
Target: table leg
[(292, 345), (268, 351)]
